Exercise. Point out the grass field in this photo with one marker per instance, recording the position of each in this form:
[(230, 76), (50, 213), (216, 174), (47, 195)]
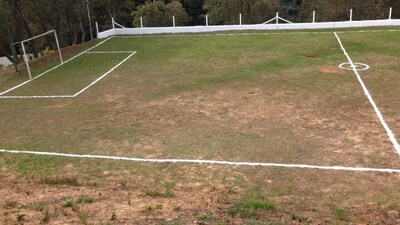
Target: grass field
[(259, 98)]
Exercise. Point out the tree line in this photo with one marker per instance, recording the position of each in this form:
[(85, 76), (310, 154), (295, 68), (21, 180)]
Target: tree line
[(21, 19)]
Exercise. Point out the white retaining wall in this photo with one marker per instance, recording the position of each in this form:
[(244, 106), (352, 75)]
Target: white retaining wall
[(205, 29)]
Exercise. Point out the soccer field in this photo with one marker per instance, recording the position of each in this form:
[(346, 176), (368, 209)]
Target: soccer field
[(245, 128)]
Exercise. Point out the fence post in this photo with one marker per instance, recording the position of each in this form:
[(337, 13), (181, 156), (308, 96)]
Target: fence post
[(390, 13), (207, 20), (173, 21), (240, 19), (277, 18), (97, 30), (351, 14), (141, 22), (313, 16)]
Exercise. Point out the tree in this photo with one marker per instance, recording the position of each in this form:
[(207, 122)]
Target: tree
[(159, 14), (120, 10), (289, 9), (195, 11), (227, 11)]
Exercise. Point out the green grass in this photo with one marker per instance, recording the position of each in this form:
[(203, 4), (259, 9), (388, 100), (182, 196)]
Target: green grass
[(85, 199), (257, 98)]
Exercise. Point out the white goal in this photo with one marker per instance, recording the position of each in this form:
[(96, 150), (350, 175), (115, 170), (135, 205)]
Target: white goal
[(28, 47)]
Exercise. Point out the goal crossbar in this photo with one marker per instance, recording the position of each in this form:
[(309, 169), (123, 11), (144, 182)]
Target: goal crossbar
[(37, 36)]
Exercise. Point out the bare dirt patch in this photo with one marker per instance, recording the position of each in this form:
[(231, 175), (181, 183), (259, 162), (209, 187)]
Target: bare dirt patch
[(329, 69)]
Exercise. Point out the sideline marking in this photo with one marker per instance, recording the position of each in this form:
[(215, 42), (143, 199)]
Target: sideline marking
[(51, 69), (196, 161), (378, 113), (359, 66)]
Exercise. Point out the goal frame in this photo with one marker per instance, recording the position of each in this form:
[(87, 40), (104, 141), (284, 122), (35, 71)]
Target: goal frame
[(26, 59)]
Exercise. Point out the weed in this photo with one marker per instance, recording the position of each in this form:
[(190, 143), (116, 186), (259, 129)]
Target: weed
[(46, 217), (390, 112), (295, 216), (255, 204), (68, 203), (242, 213), (81, 214), (159, 206), (37, 206), (85, 199), (252, 202), (147, 208), (160, 194), (177, 208), (205, 217), (339, 212), (314, 208), (71, 181)]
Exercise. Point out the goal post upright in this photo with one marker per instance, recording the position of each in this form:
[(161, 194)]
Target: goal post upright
[(58, 46), (26, 58)]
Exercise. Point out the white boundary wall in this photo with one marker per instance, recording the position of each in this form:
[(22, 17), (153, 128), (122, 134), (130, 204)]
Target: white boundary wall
[(205, 29)]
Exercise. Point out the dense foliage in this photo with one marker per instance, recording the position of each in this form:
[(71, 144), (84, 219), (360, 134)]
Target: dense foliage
[(26, 18)]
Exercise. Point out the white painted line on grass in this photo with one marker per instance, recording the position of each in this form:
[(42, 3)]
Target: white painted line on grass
[(101, 77), (109, 52), (214, 162), (79, 92), (389, 132), (47, 71), (37, 96)]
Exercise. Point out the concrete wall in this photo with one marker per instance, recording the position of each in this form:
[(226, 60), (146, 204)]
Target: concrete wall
[(266, 27), (4, 61)]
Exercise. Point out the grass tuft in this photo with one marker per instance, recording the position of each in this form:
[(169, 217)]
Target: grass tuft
[(339, 212), (71, 181), (68, 203), (85, 199), (255, 204)]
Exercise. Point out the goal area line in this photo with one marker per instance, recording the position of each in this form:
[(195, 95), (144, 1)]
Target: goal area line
[(203, 162), (87, 51)]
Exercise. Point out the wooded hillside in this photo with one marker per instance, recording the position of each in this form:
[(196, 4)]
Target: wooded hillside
[(21, 19)]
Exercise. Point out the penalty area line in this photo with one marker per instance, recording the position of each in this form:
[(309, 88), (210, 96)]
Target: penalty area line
[(79, 92), (37, 96), (213, 162), (55, 67), (389, 132), (101, 77), (109, 52)]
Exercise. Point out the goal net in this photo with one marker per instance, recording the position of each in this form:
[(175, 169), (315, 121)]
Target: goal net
[(39, 46)]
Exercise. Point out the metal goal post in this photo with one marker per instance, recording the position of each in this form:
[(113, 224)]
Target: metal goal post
[(26, 59)]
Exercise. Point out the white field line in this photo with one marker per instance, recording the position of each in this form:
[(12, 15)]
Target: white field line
[(79, 92), (37, 96), (109, 52), (47, 71), (255, 33), (214, 162), (389, 132), (101, 77)]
